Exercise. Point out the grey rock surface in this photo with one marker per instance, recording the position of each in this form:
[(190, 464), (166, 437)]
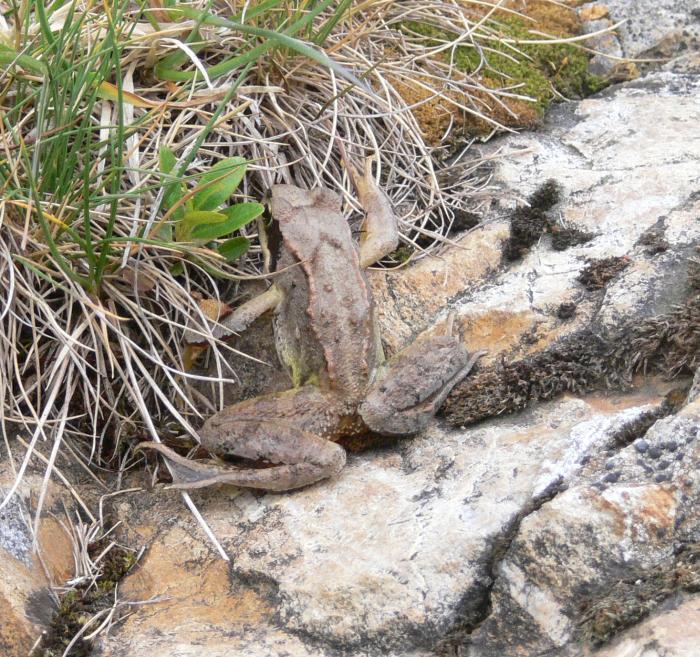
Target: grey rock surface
[(26, 574), (674, 631), (649, 24), (604, 552), (511, 537)]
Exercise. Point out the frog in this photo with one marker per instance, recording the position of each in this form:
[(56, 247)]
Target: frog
[(327, 337)]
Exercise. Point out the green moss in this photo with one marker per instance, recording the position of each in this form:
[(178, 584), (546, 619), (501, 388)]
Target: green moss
[(542, 70), (80, 604), (403, 253)]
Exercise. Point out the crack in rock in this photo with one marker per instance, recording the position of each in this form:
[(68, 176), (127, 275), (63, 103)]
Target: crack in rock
[(474, 612)]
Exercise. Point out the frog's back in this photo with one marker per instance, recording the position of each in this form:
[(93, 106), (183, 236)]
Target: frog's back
[(325, 324)]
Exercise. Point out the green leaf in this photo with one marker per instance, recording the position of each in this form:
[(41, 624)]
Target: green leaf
[(167, 160), (193, 218), (237, 216), (174, 191), (219, 183), (177, 269), (164, 233), (9, 56), (234, 248)]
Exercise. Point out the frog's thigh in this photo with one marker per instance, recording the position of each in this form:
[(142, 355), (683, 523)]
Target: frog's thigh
[(283, 428), (414, 384)]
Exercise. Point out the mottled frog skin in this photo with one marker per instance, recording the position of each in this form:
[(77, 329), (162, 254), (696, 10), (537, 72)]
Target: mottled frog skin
[(327, 337)]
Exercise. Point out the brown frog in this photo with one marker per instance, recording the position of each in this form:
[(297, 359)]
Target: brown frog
[(327, 337)]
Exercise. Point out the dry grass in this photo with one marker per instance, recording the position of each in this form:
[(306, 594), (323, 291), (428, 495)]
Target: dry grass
[(91, 358)]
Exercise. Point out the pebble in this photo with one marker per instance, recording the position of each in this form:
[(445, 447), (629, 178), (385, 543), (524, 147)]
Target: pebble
[(662, 465), (671, 445), (609, 465), (662, 476), (641, 445), (647, 468), (611, 477), (679, 456), (655, 452)]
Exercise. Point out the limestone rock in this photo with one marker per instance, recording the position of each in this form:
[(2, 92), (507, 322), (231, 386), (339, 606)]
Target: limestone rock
[(627, 163), (672, 632), (387, 558), (649, 23), (515, 536), (605, 552)]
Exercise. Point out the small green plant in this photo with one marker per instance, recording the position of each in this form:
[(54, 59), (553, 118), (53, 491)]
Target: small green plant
[(198, 216)]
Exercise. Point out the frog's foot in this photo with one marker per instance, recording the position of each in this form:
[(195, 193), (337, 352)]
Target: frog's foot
[(380, 229), (414, 385), (298, 459)]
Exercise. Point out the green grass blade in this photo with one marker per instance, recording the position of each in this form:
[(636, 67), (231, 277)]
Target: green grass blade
[(277, 38)]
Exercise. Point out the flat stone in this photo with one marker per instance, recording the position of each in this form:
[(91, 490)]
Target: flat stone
[(26, 575), (386, 558), (649, 22)]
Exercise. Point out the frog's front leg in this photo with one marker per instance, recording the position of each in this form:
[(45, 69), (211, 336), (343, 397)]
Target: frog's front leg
[(240, 319), (245, 314), (414, 383), (289, 430), (380, 228)]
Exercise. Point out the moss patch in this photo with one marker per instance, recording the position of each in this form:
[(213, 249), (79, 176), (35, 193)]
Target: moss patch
[(630, 600), (541, 71), (565, 237), (598, 273), (80, 604), (528, 222), (584, 361)]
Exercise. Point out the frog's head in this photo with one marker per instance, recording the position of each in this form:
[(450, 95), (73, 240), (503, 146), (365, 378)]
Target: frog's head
[(285, 200)]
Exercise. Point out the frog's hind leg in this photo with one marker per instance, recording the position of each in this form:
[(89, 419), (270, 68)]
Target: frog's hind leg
[(414, 384), (286, 430)]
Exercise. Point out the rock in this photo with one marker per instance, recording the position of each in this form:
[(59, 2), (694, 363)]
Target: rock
[(606, 44), (596, 560), (26, 576), (611, 174), (694, 392), (659, 635), (386, 559), (649, 23), (661, 33), (520, 535), (594, 12)]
